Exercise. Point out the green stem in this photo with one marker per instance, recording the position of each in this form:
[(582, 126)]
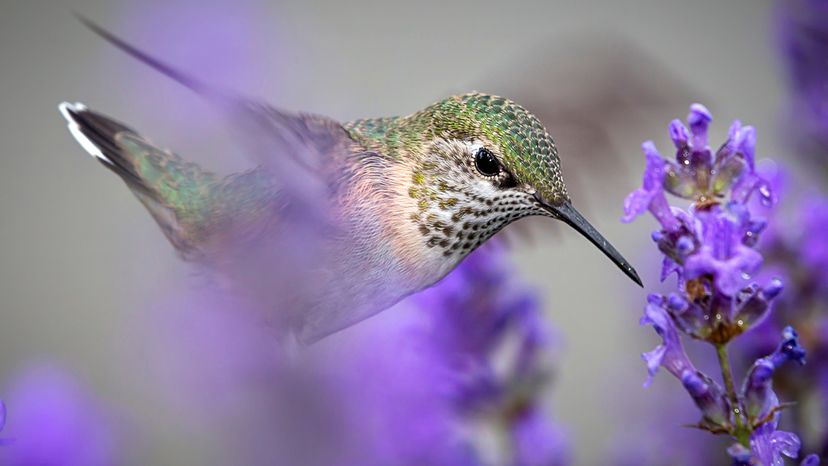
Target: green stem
[(741, 431)]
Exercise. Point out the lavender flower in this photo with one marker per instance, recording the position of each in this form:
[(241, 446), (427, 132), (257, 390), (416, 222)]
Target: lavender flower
[(711, 248), (57, 422), (429, 383), (476, 310)]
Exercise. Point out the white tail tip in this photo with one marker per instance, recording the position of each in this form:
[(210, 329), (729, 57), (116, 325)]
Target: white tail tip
[(66, 109)]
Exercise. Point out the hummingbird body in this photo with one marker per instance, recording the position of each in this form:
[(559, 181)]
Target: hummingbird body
[(365, 212)]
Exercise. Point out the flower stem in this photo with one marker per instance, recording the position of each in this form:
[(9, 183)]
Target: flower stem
[(741, 431)]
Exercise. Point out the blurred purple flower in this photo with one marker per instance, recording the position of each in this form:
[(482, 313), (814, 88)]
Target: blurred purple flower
[(3, 441), (409, 387), (814, 246), (802, 33), (56, 422), (537, 442), (476, 312)]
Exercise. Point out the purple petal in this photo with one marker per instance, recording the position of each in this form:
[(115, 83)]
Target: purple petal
[(670, 354), (722, 253), (746, 145), (709, 398), (636, 203), (653, 360), (768, 445), (650, 196), (733, 134), (679, 134), (699, 119), (654, 170), (668, 266)]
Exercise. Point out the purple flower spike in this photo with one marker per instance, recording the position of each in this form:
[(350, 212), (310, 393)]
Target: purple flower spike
[(650, 196), (810, 460), (710, 246), (670, 354), (699, 119)]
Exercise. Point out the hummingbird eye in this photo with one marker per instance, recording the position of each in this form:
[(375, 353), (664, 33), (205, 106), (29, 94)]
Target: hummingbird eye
[(486, 162)]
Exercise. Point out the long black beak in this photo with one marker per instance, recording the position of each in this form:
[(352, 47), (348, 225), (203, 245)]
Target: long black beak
[(573, 218)]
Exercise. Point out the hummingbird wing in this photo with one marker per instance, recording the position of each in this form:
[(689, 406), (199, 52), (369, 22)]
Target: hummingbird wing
[(269, 230), (302, 152)]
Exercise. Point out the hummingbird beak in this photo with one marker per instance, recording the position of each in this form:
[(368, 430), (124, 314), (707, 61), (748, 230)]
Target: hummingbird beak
[(566, 213)]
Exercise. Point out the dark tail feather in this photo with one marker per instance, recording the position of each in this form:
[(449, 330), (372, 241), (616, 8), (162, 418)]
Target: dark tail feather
[(96, 133), (123, 151)]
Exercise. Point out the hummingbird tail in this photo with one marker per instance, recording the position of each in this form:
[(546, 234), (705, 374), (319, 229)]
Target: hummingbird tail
[(175, 192)]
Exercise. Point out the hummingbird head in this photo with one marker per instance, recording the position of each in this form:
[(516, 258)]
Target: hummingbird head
[(479, 162)]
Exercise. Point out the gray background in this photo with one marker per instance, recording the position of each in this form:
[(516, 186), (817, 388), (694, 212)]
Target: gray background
[(78, 255)]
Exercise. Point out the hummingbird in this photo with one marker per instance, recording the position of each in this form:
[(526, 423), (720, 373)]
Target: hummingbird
[(373, 209)]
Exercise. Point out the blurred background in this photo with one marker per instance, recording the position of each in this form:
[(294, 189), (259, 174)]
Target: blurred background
[(82, 265)]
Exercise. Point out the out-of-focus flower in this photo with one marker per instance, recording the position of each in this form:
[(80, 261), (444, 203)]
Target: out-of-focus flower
[(489, 330), (814, 247), (536, 441), (57, 422), (802, 32), (3, 441), (427, 383)]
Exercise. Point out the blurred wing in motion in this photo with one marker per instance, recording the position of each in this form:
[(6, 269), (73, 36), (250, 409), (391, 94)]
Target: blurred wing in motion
[(267, 232), (301, 152)]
